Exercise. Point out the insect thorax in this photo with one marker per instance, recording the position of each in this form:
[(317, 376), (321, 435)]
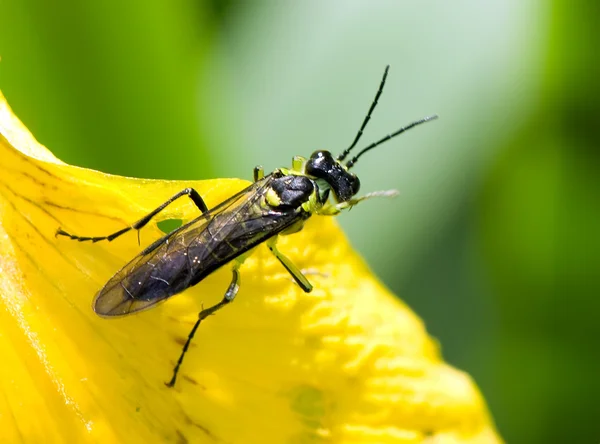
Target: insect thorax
[(290, 191)]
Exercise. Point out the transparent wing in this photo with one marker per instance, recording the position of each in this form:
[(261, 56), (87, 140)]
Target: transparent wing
[(187, 255)]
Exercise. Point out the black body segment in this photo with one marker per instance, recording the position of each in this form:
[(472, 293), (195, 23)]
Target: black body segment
[(187, 255), (293, 191), (322, 165)]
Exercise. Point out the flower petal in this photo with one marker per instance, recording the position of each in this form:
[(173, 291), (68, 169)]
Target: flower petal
[(347, 363)]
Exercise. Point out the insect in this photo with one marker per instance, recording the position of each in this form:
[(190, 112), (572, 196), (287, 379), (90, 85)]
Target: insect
[(275, 204)]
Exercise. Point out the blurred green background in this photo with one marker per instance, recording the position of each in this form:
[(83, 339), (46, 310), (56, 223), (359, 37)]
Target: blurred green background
[(494, 239)]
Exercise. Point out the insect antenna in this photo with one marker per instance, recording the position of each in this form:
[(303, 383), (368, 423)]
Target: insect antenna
[(352, 161), (344, 153)]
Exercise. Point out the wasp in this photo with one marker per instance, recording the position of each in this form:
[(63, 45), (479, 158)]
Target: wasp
[(275, 204)]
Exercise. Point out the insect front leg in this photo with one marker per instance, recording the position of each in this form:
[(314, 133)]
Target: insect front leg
[(332, 210), (300, 279), (229, 296), (190, 192)]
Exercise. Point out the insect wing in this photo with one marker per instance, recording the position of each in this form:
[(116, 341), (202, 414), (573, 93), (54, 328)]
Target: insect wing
[(145, 281), (186, 255)]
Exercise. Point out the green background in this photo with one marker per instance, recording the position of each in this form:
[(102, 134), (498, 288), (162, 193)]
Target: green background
[(494, 238)]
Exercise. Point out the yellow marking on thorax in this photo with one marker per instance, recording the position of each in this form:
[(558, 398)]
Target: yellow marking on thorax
[(312, 205), (272, 198)]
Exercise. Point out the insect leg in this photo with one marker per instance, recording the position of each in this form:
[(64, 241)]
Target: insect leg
[(259, 173), (332, 210), (300, 279), (229, 296), (190, 192)]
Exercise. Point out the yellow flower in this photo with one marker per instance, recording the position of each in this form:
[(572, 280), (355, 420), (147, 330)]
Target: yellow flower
[(347, 363)]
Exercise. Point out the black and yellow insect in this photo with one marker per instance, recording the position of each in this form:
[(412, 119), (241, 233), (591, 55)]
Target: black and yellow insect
[(276, 204)]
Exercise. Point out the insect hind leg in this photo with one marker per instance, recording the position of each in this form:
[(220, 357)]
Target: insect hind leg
[(190, 192), (229, 296)]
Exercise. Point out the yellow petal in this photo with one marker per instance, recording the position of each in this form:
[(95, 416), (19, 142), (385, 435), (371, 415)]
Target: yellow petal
[(347, 363)]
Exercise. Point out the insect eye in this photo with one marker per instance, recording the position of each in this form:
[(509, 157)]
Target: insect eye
[(355, 185)]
